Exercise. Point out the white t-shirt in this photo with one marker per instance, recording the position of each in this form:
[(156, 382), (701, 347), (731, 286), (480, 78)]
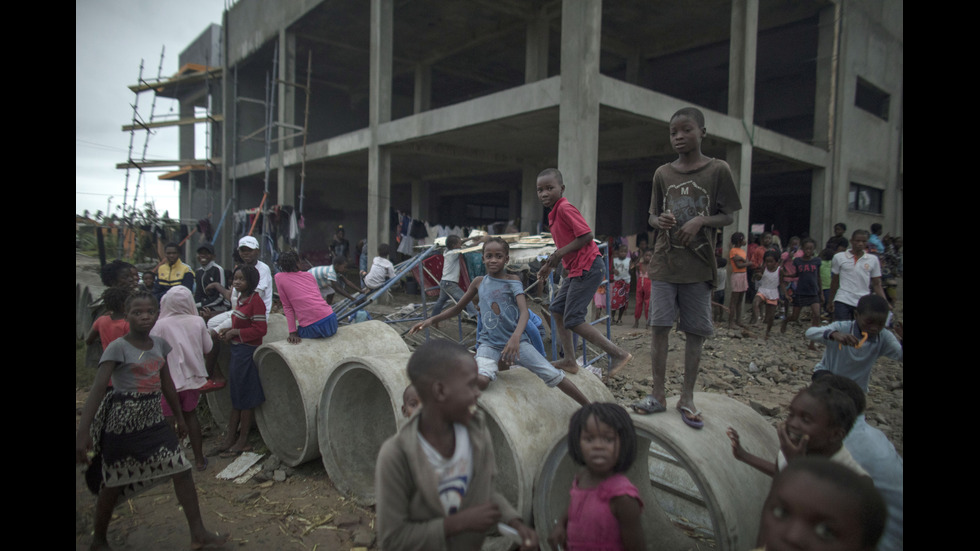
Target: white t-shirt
[(622, 266), (450, 265), (381, 270), (453, 473), (854, 276)]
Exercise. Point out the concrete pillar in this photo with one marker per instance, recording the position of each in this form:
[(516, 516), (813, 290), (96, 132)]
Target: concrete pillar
[(741, 103), (824, 126), (536, 49), (531, 210), (286, 114), (820, 225), (423, 88), (379, 159), (578, 111)]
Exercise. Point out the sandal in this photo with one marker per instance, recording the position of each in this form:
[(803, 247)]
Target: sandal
[(694, 423), (648, 405)]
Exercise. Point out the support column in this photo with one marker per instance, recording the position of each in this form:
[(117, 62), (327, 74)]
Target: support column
[(286, 115), (379, 159), (229, 108), (536, 49), (423, 88), (531, 211), (578, 111), (741, 104), (822, 196)]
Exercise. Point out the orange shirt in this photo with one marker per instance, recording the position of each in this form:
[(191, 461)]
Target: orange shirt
[(736, 252)]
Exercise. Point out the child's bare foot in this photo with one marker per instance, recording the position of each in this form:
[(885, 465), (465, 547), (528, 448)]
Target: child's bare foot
[(568, 365), (619, 364), (210, 540), (98, 545), (636, 324)]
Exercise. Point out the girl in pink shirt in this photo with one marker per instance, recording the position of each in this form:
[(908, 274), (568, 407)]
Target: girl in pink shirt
[(308, 316), (604, 510)]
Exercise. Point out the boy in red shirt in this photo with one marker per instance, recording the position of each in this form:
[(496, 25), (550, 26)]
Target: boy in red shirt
[(579, 254)]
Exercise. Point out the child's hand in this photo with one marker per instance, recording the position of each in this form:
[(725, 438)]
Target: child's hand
[(690, 230), (846, 339), (529, 538), (791, 450), (557, 536), (83, 443), (419, 326), (181, 430), (294, 338), (228, 334), (737, 450), (512, 351), (666, 220), (898, 330), (479, 518)]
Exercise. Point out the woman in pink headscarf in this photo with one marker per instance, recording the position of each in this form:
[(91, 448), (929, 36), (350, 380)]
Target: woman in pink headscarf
[(188, 336)]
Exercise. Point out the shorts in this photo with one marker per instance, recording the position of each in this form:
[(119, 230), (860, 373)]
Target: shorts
[(802, 301), (719, 296), (322, 329), (186, 398), (487, 358), (572, 300), (740, 282), (843, 312), (692, 301)]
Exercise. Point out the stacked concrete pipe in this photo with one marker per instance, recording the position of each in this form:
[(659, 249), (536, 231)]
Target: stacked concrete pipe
[(692, 475), (293, 376), (219, 402), (360, 408)]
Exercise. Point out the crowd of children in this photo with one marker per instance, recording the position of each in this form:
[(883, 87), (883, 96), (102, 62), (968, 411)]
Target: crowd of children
[(435, 478)]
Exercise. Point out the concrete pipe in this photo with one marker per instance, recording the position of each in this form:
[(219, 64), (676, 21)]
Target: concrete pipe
[(293, 376), (219, 401), (360, 408), (695, 482), (524, 418)]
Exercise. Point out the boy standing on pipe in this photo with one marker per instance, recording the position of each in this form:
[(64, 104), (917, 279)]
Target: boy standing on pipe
[(692, 197)]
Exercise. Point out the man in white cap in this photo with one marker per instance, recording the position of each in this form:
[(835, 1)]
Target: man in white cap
[(248, 249)]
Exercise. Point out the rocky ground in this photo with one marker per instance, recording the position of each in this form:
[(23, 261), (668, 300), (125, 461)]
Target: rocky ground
[(302, 509)]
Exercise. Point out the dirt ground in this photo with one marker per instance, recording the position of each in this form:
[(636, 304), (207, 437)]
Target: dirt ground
[(306, 512)]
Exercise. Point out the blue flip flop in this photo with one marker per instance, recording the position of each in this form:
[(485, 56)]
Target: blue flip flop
[(648, 405), (691, 422)]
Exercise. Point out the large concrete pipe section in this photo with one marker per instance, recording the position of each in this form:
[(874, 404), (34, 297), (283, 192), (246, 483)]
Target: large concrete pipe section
[(694, 481), (293, 376), (360, 408), (524, 418), (219, 401)]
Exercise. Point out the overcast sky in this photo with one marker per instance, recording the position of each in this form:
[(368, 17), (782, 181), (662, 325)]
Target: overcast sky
[(111, 37)]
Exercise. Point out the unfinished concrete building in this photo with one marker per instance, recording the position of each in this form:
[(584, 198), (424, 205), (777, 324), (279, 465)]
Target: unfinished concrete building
[(449, 109)]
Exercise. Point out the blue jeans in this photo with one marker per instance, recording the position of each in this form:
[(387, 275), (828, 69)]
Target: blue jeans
[(450, 289)]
